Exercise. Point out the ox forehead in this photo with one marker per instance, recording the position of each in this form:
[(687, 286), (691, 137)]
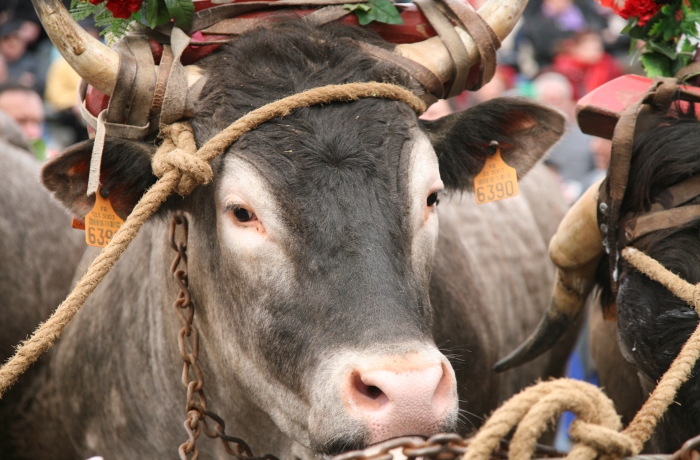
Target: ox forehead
[(310, 258)]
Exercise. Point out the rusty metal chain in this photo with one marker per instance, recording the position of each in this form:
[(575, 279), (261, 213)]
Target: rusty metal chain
[(444, 446), (188, 343)]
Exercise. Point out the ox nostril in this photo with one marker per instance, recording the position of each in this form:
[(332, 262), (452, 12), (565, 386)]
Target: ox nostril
[(365, 395), (402, 396)]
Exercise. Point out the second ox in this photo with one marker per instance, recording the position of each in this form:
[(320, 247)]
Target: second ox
[(660, 216), (324, 291)]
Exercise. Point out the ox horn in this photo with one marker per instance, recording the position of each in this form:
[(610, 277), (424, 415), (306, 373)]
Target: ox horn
[(95, 62), (575, 249), (500, 15)]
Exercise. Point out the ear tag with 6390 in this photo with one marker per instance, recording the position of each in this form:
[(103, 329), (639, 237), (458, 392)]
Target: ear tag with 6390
[(496, 181), (102, 222)]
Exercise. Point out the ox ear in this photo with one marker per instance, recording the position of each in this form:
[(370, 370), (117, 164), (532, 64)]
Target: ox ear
[(126, 174), (525, 131)]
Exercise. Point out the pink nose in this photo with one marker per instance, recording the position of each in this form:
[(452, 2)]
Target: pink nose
[(395, 402)]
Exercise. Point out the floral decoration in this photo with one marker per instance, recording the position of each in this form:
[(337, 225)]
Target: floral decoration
[(667, 31)]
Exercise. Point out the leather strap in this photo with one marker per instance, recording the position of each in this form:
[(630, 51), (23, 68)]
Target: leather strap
[(486, 40), (210, 16), (616, 182), (145, 81), (677, 195), (645, 224), (126, 78), (111, 129), (667, 211), (175, 96), (326, 15), (422, 75), (233, 26), (166, 62), (453, 43)]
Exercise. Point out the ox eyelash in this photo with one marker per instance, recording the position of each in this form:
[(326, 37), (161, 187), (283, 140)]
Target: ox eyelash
[(233, 207)]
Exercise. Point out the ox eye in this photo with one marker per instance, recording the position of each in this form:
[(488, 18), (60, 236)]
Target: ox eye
[(242, 214), (433, 199)]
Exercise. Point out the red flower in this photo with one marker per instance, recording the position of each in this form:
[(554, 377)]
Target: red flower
[(122, 8), (96, 2), (641, 9)]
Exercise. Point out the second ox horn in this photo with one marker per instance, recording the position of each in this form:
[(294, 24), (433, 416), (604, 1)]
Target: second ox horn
[(576, 250), (500, 15)]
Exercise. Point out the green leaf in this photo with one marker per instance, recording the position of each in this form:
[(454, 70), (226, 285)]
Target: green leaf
[(386, 12), (38, 147), (632, 23), (357, 6), (637, 32), (663, 48), (156, 13), (365, 17), (656, 65), (182, 11)]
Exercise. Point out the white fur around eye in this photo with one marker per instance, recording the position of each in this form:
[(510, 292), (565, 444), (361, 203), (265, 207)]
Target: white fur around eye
[(423, 179)]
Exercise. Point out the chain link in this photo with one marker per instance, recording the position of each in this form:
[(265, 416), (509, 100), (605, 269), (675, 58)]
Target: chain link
[(192, 377)]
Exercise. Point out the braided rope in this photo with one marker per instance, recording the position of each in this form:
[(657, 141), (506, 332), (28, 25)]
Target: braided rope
[(181, 167)]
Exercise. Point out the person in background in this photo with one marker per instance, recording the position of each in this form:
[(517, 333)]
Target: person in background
[(571, 158), (24, 105), (585, 63), (24, 66), (602, 150), (547, 23), (3, 70)]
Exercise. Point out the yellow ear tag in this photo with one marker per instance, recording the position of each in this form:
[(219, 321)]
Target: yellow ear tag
[(496, 181), (101, 223)]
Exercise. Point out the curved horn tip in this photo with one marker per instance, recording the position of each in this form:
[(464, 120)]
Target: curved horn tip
[(95, 62), (548, 332), (502, 15)]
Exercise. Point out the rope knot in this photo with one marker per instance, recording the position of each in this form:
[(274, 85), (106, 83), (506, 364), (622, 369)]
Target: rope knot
[(178, 153), (602, 439), (533, 410)]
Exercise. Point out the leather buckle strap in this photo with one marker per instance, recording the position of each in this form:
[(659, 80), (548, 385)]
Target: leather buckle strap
[(486, 40), (453, 43), (637, 227), (133, 93), (210, 16), (666, 212)]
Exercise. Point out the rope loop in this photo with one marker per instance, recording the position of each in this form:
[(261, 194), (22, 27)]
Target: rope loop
[(595, 431), (178, 153), (601, 439)]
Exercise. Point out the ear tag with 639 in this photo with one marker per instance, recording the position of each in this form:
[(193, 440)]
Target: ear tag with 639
[(496, 181), (102, 222)]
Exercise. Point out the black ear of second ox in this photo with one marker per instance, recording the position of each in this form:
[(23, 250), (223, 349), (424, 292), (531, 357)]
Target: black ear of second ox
[(125, 175), (523, 129)]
